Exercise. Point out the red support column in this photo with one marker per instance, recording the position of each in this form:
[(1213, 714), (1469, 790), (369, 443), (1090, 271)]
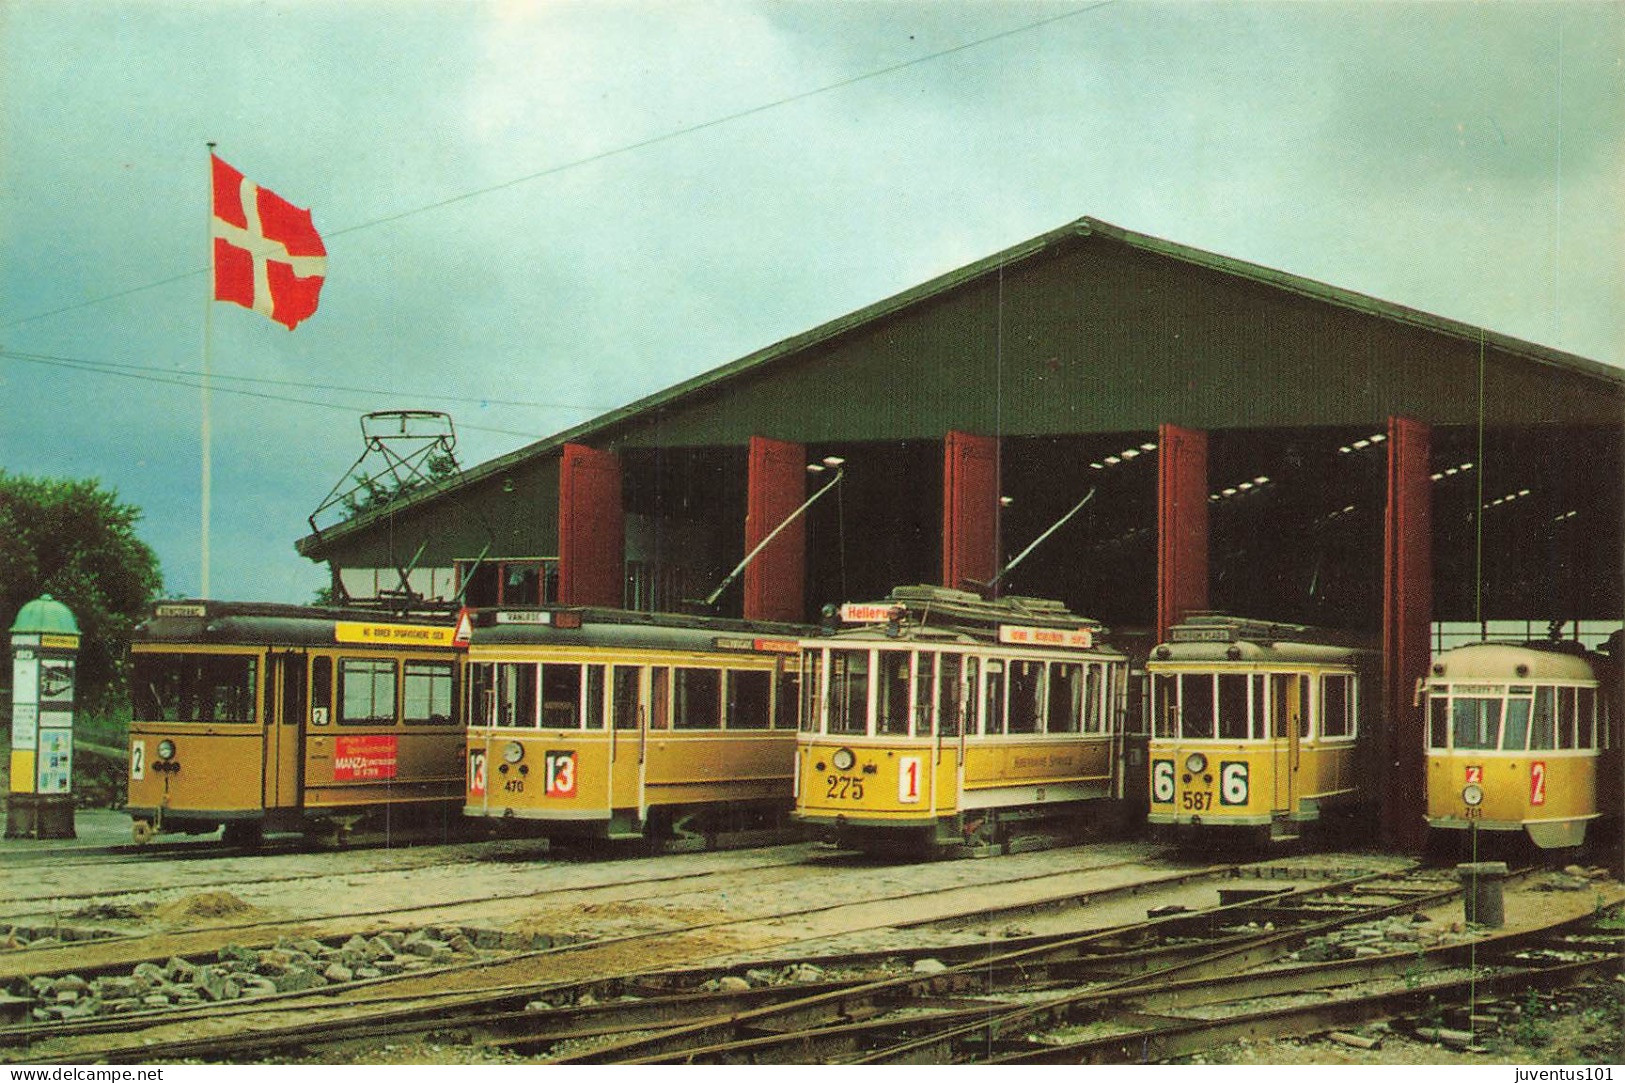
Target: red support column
[(592, 528), (970, 509), (776, 486), (1181, 525), (1407, 618)]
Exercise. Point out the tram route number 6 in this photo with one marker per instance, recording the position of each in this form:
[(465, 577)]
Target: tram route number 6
[(559, 774), (1232, 783), (1162, 781)]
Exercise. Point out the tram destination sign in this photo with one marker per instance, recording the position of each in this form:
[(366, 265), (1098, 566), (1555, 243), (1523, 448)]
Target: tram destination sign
[(1021, 635), (425, 635)]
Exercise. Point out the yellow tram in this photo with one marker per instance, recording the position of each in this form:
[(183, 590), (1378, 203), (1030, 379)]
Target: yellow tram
[(1520, 739), (623, 725), (937, 718), (1258, 726), (263, 717)]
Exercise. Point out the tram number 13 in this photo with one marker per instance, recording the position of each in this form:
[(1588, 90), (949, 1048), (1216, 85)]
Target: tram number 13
[(559, 774)]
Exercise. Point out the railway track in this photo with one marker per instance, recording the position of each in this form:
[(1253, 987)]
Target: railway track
[(526, 974), (532, 1017)]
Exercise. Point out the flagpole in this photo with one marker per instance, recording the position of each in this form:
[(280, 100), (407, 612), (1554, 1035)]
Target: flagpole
[(208, 337)]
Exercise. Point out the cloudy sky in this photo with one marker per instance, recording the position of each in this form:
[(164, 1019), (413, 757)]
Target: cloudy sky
[(539, 211)]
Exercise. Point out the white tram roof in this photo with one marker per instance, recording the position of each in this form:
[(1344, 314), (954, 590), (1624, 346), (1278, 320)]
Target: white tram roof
[(1225, 638), (927, 615), (1511, 663)]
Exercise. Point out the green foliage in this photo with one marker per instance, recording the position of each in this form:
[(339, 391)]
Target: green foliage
[(1532, 1031), (77, 542), (371, 493)]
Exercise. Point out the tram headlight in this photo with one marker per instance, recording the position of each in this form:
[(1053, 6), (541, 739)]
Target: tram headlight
[(166, 749), (513, 752), (1472, 795), (843, 759), (1196, 763)]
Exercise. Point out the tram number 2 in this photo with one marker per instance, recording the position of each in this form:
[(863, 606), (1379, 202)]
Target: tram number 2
[(844, 787), (138, 760), (1162, 781), (1537, 782), (559, 774)]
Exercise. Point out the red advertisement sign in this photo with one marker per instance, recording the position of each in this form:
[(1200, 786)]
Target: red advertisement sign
[(366, 755)]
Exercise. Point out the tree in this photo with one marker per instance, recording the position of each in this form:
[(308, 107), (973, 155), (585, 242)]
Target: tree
[(77, 542)]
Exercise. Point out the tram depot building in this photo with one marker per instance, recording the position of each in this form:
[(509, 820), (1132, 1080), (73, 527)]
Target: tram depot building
[(1256, 443)]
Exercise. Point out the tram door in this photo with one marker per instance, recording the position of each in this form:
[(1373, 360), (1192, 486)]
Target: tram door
[(285, 703), (1288, 702), (627, 736)]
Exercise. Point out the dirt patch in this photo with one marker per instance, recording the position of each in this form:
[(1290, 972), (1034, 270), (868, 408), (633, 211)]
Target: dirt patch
[(205, 908)]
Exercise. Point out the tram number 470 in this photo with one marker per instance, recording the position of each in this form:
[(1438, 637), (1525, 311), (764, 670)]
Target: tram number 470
[(559, 774)]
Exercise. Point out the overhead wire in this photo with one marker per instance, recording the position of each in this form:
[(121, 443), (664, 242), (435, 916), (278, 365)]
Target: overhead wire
[(613, 152)]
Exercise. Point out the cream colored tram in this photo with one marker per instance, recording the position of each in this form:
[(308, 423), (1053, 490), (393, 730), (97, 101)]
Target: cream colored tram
[(1257, 726), (1520, 741), (935, 718), (618, 725)]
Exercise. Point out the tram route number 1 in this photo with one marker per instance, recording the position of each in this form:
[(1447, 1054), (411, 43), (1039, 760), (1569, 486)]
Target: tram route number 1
[(908, 780)]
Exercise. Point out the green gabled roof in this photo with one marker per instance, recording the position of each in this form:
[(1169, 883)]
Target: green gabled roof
[(1069, 234)]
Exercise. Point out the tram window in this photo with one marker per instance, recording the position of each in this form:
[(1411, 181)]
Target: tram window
[(1515, 730), (1261, 726), (925, 690), (1233, 706), (427, 694), (1284, 704), (1196, 705), (561, 696), (698, 698), (1164, 705), (592, 707), (848, 691), (1303, 707), (993, 699), (623, 705), (892, 704), (750, 699), (660, 696), (1065, 697), (1337, 705), (1587, 734), (1565, 717), (1475, 722), (970, 718), (812, 671), (366, 692), (516, 695), (787, 693), (1542, 729), (1094, 700), (950, 696), (194, 687), (1026, 696), (321, 690), (1438, 722)]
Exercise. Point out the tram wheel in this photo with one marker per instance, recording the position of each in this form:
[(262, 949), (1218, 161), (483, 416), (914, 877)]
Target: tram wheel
[(245, 835)]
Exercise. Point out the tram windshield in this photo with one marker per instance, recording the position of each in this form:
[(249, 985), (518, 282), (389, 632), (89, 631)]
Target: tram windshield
[(1512, 718), (206, 688)]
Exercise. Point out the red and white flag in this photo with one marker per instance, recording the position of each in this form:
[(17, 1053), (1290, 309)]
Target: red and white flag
[(267, 253)]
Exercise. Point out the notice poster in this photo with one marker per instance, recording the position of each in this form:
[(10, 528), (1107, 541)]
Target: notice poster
[(54, 761), (364, 756)]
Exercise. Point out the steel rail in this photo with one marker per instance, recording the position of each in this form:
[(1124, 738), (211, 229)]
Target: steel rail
[(301, 1000)]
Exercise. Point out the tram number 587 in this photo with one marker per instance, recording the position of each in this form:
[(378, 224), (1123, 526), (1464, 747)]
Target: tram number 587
[(559, 774)]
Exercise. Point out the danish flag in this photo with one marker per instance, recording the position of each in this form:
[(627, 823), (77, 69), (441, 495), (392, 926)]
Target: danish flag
[(267, 253)]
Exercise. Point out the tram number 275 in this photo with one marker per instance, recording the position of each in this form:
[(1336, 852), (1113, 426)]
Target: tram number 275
[(844, 787)]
